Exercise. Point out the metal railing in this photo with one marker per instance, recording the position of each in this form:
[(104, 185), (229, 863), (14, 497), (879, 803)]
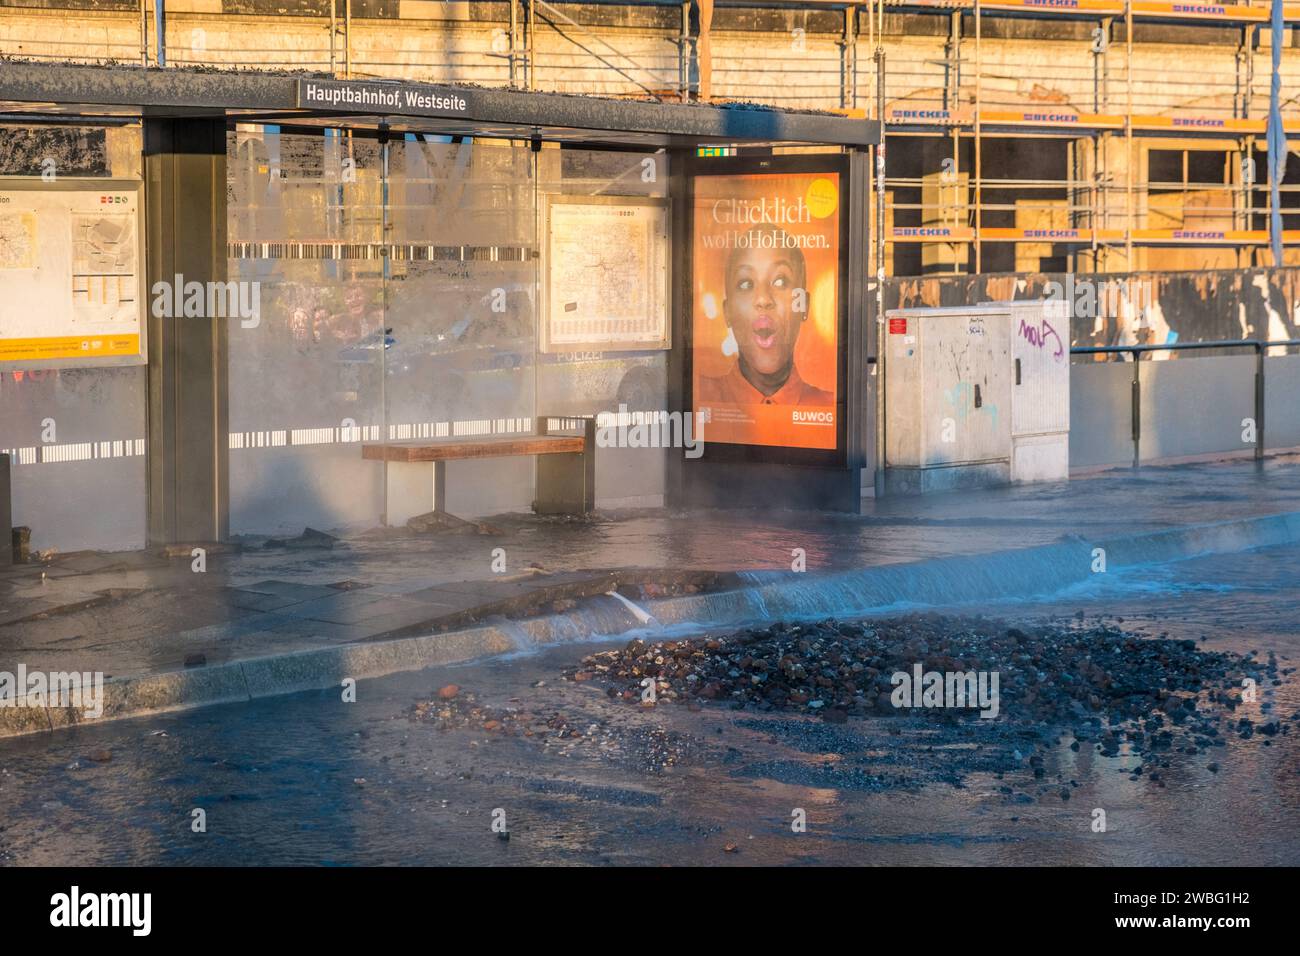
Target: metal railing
[(1137, 352)]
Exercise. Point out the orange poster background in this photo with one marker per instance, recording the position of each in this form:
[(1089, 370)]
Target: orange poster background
[(816, 353)]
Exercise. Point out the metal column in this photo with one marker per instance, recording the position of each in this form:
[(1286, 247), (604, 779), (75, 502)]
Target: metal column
[(185, 204)]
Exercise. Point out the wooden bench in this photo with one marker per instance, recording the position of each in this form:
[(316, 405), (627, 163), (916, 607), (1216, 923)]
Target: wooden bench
[(566, 466)]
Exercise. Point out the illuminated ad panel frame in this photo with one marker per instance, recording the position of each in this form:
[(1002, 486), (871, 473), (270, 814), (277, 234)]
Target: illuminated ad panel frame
[(72, 266), (779, 201)]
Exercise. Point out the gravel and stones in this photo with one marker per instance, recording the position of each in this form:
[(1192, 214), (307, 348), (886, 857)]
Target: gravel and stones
[(1112, 689)]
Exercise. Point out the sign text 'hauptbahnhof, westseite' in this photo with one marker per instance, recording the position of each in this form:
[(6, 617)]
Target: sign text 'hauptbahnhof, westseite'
[(385, 98)]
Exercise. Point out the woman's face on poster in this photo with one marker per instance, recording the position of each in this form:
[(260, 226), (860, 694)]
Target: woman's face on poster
[(760, 308)]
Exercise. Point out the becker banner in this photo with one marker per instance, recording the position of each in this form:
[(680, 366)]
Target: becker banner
[(765, 353)]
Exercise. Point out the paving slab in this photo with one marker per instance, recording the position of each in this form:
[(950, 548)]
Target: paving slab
[(352, 607), (251, 600), (287, 589)]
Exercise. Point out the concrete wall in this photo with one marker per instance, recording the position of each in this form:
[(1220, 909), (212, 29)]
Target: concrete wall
[(1192, 407)]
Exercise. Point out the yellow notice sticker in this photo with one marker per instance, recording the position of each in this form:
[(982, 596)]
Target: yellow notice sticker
[(822, 197)]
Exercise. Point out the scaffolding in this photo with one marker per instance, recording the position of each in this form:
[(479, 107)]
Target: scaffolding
[(1033, 134), (1113, 112)]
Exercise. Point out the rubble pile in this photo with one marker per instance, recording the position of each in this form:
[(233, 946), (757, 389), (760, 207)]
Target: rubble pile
[(1109, 685)]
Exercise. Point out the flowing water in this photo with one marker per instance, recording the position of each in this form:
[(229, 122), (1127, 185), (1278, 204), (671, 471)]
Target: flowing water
[(310, 779)]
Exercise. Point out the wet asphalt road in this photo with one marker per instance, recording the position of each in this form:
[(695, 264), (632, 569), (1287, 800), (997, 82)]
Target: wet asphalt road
[(310, 779)]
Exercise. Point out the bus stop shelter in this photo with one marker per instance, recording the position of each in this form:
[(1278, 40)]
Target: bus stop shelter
[(461, 231)]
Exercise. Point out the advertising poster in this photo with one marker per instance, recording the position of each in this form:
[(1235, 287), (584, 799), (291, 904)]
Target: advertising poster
[(765, 353)]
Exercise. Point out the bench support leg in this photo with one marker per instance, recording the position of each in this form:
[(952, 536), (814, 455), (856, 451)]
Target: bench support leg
[(566, 484), (415, 488)]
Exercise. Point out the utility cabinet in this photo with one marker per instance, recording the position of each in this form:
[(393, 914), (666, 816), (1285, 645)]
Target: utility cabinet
[(1040, 392), (976, 396), (947, 399)]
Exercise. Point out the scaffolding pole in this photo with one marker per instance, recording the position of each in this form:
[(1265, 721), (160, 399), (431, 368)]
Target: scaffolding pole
[(514, 43), (979, 159), (684, 54), (849, 60), (1129, 211), (879, 55)]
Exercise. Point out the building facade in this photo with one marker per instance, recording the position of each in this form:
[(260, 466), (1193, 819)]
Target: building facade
[(1031, 135)]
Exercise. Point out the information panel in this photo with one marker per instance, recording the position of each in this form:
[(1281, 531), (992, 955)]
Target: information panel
[(606, 274), (71, 257)]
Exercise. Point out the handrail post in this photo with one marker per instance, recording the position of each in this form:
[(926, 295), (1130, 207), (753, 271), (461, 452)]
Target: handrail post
[(1259, 401), (1137, 407)]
